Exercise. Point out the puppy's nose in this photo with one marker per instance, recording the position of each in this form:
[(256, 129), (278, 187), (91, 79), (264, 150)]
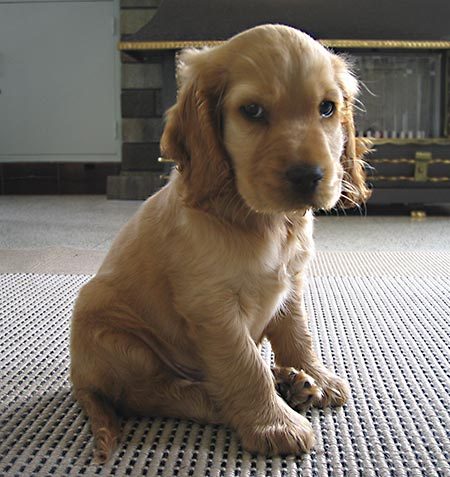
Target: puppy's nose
[(305, 177)]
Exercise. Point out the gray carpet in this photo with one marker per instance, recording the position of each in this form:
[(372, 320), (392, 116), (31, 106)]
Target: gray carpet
[(381, 320)]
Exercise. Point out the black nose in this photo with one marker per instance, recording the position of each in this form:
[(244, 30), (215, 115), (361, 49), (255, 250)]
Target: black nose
[(305, 178)]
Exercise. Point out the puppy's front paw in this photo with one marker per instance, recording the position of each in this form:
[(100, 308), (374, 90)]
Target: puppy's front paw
[(297, 388), (287, 432), (335, 390)]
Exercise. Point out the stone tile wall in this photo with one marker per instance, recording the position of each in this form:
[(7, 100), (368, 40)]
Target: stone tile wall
[(142, 112)]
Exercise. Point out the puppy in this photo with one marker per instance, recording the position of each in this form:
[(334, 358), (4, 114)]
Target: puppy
[(262, 133)]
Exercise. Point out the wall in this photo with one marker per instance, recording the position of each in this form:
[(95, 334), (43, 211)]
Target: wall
[(142, 113)]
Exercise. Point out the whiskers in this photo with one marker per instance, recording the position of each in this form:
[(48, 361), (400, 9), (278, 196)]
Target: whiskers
[(342, 206), (350, 197), (359, 106), (364, 85), (364, 164), (348, 190)]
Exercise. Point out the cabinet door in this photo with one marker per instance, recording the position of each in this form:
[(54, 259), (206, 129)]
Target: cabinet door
[(59, 82)]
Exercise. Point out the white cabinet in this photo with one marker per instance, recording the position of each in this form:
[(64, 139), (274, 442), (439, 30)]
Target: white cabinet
[(59, 82)]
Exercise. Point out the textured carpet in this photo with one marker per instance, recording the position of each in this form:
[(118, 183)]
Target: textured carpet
[(381, 320)]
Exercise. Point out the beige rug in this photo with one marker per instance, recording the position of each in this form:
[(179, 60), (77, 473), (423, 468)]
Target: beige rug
[(381, 320)]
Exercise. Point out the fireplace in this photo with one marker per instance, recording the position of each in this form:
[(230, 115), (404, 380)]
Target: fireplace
[(402, 61)]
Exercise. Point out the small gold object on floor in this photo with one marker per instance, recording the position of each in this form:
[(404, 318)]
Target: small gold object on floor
[(418, 214)]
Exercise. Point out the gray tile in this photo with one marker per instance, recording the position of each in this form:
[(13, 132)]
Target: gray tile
[(50, 229), (72, 221), (142, 130), (141, 76), (382, 233)]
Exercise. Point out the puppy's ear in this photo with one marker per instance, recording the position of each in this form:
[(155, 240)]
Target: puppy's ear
[(355, 190), (192, 135)]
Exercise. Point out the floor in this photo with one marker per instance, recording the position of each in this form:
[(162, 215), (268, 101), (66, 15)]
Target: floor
[(379, 319), (71, 234)]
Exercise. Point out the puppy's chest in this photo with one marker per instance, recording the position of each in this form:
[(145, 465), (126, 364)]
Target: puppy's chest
[(264, 288)]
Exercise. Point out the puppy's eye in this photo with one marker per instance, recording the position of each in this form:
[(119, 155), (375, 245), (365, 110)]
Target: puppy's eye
[(253, 111), (327, 109)]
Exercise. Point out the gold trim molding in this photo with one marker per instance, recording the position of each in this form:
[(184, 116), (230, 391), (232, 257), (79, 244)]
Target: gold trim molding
[(408, 161), (165, 45), (399, 44), (408, 178), (443, 141)]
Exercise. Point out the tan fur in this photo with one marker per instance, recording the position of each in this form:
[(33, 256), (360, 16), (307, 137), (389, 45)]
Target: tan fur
[(212, 263)]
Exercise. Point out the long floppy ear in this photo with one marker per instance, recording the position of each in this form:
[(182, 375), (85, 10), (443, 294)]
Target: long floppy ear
[(192, 136), (355, 190)]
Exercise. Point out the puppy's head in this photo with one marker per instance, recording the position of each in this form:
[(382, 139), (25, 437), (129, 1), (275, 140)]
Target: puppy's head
[(270, 113)]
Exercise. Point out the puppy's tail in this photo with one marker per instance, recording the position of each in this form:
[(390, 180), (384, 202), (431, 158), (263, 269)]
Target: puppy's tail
[(105, 424)]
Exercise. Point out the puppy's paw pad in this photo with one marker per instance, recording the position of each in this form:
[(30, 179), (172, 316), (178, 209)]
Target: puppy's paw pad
[(298, 388)]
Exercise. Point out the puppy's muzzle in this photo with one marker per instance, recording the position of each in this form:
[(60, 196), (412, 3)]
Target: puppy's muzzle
[(305, 178)]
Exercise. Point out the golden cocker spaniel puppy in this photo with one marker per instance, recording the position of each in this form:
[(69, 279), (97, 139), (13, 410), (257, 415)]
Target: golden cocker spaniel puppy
[(262, 133)]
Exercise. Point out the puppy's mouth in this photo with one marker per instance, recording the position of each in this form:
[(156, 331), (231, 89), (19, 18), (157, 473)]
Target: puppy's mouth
[(314, 201), (286, 199), (309, 187), (324, 198), (281, 193)]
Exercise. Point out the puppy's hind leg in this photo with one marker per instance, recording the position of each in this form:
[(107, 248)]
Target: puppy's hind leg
[(117, 370), (173, 397), (105, 424)]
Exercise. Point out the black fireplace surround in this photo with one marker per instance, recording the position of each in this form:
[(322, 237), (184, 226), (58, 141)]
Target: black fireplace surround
[(411, 160)]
